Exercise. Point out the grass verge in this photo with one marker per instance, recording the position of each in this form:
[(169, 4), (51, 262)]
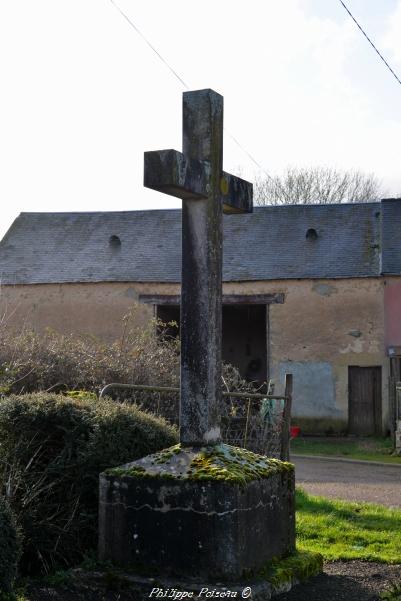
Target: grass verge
[(341, 530), (369, 449)]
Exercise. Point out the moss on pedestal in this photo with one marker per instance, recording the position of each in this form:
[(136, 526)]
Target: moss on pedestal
[(221, 462)]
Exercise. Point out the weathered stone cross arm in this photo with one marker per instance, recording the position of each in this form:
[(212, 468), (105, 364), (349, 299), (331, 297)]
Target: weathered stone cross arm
[(171, 172)]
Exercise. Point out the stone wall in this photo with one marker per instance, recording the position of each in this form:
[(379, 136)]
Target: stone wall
[(93, 308), (323, 327), (392, 304)]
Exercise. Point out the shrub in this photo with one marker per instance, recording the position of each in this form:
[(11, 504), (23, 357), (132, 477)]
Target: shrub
[(31, 361), (77, 364), (51, 453), (9, 547)]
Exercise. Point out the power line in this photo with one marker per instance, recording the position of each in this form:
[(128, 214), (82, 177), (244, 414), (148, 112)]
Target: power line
[(164, 61), (254, 161), (126, 17), (370, 42)]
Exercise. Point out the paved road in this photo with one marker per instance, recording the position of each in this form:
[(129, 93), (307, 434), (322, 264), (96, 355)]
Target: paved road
[(349, 480)]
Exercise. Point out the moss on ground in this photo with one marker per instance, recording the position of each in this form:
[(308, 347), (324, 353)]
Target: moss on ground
[(393, 593), (297, 567), (221, 462)]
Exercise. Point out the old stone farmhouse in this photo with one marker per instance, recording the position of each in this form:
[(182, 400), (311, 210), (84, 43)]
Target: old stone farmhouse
[(312, 290)]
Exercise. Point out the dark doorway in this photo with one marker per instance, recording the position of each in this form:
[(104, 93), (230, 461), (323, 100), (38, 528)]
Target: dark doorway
[(244, 340), (365, 400), (244, 337), (169, 315)]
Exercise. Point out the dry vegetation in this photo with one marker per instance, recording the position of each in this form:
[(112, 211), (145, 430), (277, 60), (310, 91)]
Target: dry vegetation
[(50, 361), (54, 362)]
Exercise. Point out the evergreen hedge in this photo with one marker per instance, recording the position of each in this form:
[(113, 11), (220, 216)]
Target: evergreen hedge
[(9, 548), (52, 449)]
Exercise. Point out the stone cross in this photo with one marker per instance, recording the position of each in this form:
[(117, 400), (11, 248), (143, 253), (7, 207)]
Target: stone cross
[(196, 176)]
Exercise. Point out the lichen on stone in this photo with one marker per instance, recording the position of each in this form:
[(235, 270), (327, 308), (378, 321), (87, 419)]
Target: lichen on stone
[(133, 472), (166, 454), (221, 462)]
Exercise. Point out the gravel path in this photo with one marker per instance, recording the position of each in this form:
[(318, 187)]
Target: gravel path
[(349, 480), (346, 581)]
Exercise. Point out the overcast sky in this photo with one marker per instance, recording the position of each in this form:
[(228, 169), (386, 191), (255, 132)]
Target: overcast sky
[(82, 95)]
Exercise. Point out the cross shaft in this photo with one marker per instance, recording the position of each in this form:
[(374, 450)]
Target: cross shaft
[(196, 176)]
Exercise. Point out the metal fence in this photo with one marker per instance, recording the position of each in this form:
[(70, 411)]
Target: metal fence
[(258, 422)]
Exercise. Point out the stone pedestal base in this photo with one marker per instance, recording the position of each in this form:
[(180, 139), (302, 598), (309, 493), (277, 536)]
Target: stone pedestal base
[(137, 588), (277, 578), (216, 512)]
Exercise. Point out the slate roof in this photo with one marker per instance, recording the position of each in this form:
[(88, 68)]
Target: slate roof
[(354, 240)]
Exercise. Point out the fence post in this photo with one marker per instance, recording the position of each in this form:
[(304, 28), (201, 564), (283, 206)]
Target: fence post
[(397, 431), (392, 406), (285, 431)]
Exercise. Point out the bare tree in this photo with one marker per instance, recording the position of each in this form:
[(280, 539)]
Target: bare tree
[(317, 185)]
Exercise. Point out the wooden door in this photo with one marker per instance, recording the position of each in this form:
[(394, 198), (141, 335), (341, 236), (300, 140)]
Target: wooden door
[(364, 400)]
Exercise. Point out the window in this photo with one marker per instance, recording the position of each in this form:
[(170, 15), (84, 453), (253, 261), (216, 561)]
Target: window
[(114, 241), (311, 234)]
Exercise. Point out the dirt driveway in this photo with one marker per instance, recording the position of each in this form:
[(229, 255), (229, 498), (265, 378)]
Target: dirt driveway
[(349, 480)]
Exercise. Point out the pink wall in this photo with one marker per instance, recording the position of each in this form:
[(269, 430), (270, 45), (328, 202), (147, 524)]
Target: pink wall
[(392, 313)]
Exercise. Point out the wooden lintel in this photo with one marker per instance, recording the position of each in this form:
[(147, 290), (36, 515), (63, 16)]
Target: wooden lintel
[(253, 299), (228, 299)]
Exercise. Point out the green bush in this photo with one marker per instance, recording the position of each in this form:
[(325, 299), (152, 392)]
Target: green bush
[(9, 547), (51, 453)]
